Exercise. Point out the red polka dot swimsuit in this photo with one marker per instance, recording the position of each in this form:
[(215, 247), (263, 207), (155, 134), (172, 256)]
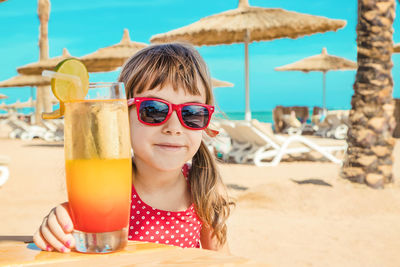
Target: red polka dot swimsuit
[(178, 228)]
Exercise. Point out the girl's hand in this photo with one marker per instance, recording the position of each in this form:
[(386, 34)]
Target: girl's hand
[(55, 232)]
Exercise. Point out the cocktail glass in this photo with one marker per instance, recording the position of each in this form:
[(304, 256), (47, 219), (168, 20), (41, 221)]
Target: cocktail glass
[(98, 168)]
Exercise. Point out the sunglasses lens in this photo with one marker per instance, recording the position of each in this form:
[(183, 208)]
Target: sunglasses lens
[(151, 111), (195, 117)]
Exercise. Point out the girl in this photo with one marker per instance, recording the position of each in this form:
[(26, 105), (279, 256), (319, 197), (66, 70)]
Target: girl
[(170, 106)]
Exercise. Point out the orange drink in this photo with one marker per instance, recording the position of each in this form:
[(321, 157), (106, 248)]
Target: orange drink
[(99, 193), (98, 168)]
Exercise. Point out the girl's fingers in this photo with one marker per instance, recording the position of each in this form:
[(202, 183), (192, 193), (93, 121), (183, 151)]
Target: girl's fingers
[(40, 242), (55, 228), (51, 239), (63, 217)]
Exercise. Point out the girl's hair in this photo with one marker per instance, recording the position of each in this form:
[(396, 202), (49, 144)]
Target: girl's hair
[(182, 66)]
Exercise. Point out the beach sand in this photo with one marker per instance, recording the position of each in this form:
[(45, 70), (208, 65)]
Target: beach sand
[(295, 214)]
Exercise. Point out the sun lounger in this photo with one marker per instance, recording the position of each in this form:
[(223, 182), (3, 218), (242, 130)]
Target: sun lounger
[(4, 172), (268, 149), (25, 131)]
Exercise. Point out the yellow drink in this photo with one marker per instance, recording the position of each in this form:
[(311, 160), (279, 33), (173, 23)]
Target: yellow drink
[(98, 172)]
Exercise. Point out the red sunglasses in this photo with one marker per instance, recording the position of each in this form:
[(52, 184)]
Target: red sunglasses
[(154, 111)]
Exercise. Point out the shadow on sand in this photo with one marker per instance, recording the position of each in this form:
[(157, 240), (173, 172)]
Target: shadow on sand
[(312, 181)]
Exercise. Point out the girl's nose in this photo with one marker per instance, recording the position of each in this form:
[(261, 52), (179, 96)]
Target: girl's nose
[(173, 125)]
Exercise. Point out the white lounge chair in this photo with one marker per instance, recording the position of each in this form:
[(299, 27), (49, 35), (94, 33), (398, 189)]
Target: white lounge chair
[(268, 149), (4, 172), (25, 131)]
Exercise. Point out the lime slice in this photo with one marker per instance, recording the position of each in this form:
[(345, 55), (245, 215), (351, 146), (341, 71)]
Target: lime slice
[(65, 90), (58, 113)]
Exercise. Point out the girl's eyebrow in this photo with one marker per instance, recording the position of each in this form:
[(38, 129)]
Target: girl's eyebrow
[(152, 96)]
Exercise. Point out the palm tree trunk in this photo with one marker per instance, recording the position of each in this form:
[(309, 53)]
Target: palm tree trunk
[(369, 156)]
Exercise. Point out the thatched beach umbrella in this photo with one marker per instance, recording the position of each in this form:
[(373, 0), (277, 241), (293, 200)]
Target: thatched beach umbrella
[(36, 68), (321, 62), (26, 80), (112, 57), (218, 83), (3, 96), (396, 48), (247, 24)]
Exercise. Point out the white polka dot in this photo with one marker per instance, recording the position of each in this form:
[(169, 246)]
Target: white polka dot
[(139, 201), (151, 237), (176, 241), (168, 213), (143, 207), (195, 228), (186, 230), (143, 217), (162, 237), (172, 218), (182, 235), (191, 225), (142, 227), (134, 196), (186, 239), (157, 232), (152, 217), (190, 242), (167, 223), (181, 225), (167, 232), (141, 237), (147, 222), (148, 212), (181, 245), (157, 241), (157, 222), (152, 228), (153, 208), (132, 217), (131, 227), (172, 236), (137, 222), (172, 227), (138, 212), (147, 232), (177, 231), (136, 232), (162, 218), (179, 214), (190, 234), (177, 222), (158, 213), (166, 241), (162, 227), (133, 206), (182, 218)]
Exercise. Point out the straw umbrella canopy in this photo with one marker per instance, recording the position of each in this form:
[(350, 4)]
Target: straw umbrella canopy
[(247, 24), (396, 48), (218, 83), (36, 68), (26, 80), (321, 62), (3, 96), (112, 57)]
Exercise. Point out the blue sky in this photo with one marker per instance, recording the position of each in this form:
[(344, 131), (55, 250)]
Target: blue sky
[(85, 26)]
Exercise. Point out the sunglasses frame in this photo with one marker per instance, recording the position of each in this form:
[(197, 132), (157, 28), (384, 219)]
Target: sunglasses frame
[(171, 108)]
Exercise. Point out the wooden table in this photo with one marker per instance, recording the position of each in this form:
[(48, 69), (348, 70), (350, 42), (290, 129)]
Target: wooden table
[(20, 251)]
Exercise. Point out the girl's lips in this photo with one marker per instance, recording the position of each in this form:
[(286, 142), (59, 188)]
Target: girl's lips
[(170, 146)]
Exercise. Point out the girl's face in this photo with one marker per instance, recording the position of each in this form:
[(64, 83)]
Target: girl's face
[(168, 146)]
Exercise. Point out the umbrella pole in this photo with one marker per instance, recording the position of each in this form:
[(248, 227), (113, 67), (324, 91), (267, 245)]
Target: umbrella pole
[(247, 115), (324, 90)]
